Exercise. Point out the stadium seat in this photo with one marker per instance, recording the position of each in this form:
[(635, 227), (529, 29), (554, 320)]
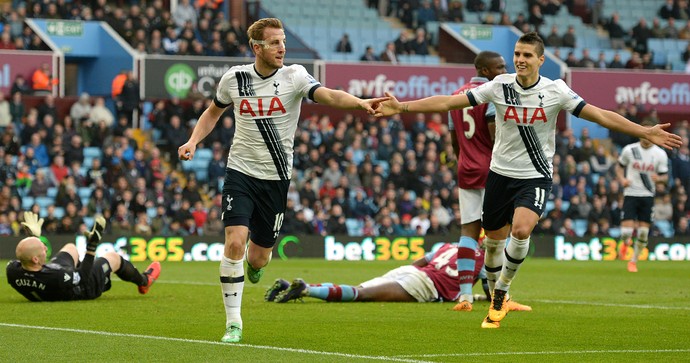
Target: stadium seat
[(59, 212), (203, 154), (665, 227), (88, 221), (44, 202), (84, 192), (27, 202), (92, 152), (354, 227)]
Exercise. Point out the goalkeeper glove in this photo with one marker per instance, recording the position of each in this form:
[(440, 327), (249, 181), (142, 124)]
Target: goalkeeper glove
[(93, 237), (32, 224)]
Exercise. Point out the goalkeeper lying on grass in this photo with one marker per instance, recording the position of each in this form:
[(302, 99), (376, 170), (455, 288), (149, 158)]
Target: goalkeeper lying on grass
[(431, 278), (63, 277)]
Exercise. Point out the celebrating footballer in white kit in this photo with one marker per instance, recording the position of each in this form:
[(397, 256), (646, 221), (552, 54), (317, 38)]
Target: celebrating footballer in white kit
[(266, 97)]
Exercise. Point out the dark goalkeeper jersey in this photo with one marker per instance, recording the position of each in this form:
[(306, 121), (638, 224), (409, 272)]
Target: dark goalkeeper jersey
[(52, 283)]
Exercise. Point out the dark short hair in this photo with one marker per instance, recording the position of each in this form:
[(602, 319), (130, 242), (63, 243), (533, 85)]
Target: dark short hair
[(648, 121), (483, 58), (534, 39)]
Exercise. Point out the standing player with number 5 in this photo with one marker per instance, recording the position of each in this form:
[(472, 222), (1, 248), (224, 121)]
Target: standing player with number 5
[(520, 176), (473, 138), (267, 97)]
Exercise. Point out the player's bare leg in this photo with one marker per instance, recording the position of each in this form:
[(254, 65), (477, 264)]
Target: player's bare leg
[(257, 258)]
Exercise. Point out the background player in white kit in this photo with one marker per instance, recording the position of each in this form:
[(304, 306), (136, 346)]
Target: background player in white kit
[(527, 106), (642, 165), (266, 98)]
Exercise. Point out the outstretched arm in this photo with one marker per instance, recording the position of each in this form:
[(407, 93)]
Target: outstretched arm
[(430, 104), (616, 122), (203, 127), (344, 100)]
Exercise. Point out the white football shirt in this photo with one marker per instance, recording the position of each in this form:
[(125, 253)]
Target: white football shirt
[(640, 164), (267, 112), (525, 123)]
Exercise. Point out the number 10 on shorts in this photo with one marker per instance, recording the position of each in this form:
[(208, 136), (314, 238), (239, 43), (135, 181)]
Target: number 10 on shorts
[(277, 224), (540, 195)]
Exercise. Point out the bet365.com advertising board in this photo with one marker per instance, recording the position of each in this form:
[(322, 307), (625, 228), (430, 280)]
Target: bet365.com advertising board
[(338, 248)]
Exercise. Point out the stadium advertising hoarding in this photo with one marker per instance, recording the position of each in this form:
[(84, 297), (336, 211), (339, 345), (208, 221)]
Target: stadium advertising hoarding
[(24, 63), (666, 92), (177, 76), (406, 82), (340, 248)]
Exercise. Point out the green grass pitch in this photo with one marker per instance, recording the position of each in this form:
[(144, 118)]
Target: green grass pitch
[(583, 311)]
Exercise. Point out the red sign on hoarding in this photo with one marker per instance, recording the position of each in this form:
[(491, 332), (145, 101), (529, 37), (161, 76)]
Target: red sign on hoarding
[(666, 92), (406, 82), (13, 63)]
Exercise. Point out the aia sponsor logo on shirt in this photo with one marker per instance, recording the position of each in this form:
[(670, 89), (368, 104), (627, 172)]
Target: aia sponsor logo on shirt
[(643, 167), (524, 115), (262, 107)]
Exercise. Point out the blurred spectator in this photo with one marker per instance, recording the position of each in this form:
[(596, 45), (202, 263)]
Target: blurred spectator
[(554, 39), (635, 62), (20, 86), (336, 221), (388, 55), (657, 31), (6, 42), (616, 32), (81, 110), (239, 31), (684, 32), (455, 12), (42, 80), (402, 43), (536, 18), (344, 45), (670, 30), (425, 13), (369, 55), (419, 44), (184, 12), (682, 228), (5, 115), (171, 42), (100, 113), (420, 223), (640, 34), (476, 6), (669, 10), (616, 62), (586, 61), (47, 107), (128, 100), (569, 38)]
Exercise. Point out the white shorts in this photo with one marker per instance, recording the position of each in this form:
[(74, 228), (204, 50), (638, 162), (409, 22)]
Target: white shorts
[(414, 281), (471, 204)]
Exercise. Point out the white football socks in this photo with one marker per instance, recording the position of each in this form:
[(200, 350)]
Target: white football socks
[(232, 285)]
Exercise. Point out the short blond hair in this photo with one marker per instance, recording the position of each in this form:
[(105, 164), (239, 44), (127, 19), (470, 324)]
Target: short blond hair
[(256, 30)]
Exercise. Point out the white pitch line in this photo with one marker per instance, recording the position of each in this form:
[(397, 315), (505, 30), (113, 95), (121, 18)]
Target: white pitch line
[(196, 341), (631, 351), (635, 306)]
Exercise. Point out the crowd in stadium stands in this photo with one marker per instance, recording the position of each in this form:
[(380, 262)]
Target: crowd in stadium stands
[(363, 176)]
